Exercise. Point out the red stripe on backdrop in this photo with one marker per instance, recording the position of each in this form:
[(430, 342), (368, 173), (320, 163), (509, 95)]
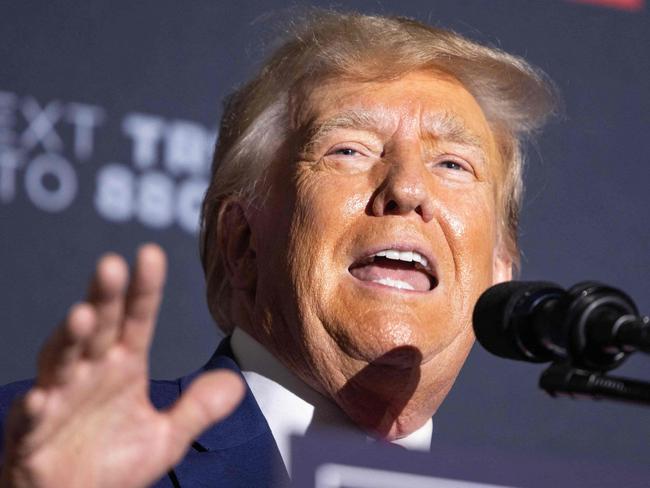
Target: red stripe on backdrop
[(630, 5)]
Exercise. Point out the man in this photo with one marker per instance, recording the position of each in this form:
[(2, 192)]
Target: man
[(365, 191)]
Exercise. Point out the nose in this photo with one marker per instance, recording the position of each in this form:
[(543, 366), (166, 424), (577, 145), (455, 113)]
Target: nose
[(404, 190)]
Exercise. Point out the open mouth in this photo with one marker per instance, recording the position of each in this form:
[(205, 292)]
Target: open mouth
[(404, 270)]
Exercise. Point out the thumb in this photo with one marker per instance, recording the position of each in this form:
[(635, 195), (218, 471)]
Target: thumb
[(210, 398)]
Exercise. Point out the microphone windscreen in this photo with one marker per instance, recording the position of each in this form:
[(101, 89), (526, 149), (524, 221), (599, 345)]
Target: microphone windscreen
[(496, 314)]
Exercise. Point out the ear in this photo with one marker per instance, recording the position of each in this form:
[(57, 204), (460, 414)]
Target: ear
[(236, 246), (501, 264)]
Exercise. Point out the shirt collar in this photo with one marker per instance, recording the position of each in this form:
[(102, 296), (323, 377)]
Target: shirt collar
[(291, 407)]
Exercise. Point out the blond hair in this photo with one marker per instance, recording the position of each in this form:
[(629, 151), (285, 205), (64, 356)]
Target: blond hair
[(515, 98)]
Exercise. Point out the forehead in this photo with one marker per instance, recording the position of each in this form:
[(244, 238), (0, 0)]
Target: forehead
[(418, 101)]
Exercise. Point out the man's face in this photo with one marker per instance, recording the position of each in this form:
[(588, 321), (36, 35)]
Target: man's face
[(378, 236)]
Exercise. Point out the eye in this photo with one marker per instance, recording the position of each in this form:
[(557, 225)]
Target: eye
[(346, 151), (455, 165), (454, 168), (349, 157)]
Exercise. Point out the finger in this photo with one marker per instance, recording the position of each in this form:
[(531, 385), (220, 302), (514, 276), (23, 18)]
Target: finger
[(24, 416), (66, 345), (143, 297), (106, 294), (210, 398)]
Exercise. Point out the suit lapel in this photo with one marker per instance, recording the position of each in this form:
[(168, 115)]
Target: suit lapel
[(239, 451)]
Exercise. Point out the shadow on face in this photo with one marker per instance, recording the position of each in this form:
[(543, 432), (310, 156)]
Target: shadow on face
[(383, 390)]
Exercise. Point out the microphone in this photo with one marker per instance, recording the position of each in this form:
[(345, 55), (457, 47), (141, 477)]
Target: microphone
[(591, 325)]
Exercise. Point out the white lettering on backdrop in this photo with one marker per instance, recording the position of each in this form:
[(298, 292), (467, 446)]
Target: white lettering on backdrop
[(44, 146)]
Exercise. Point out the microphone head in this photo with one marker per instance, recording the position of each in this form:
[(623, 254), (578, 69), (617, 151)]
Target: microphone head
[(498, 313)]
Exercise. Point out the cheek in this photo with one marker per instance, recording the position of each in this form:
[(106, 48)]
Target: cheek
[(355, 204), (325, 196), (470, 226), (327, 205), (326, 208)]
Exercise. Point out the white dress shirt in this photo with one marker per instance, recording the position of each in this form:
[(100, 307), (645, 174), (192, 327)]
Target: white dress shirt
[(291, 407)]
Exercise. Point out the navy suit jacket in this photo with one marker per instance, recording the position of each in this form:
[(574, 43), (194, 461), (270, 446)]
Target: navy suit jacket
[(238, 452)]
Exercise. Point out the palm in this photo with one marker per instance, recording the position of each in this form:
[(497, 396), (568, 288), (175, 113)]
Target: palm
[(89, 421)]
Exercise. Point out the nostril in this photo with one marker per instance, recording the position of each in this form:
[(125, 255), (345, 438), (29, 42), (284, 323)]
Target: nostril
[(391, 206)]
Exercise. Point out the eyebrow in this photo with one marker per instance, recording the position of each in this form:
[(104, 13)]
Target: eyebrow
[(450, 127), (443, 125), (350, 119)]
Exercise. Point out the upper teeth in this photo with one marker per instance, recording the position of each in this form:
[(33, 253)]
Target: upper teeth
[(408, 256)]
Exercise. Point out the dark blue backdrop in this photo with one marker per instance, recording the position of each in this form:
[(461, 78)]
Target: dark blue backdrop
[(107, 114)]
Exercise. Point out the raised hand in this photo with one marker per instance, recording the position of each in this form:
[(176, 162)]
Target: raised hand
[(88, 422)]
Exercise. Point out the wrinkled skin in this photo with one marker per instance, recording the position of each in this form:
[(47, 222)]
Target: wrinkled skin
[(395, 175)]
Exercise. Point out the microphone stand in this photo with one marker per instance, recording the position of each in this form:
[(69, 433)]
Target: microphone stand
[(563, 378)]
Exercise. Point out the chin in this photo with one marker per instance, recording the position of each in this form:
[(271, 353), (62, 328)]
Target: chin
[(370, 325), (398, 341)]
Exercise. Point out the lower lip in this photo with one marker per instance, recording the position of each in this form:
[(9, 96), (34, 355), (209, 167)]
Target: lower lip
[(385, 288)]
